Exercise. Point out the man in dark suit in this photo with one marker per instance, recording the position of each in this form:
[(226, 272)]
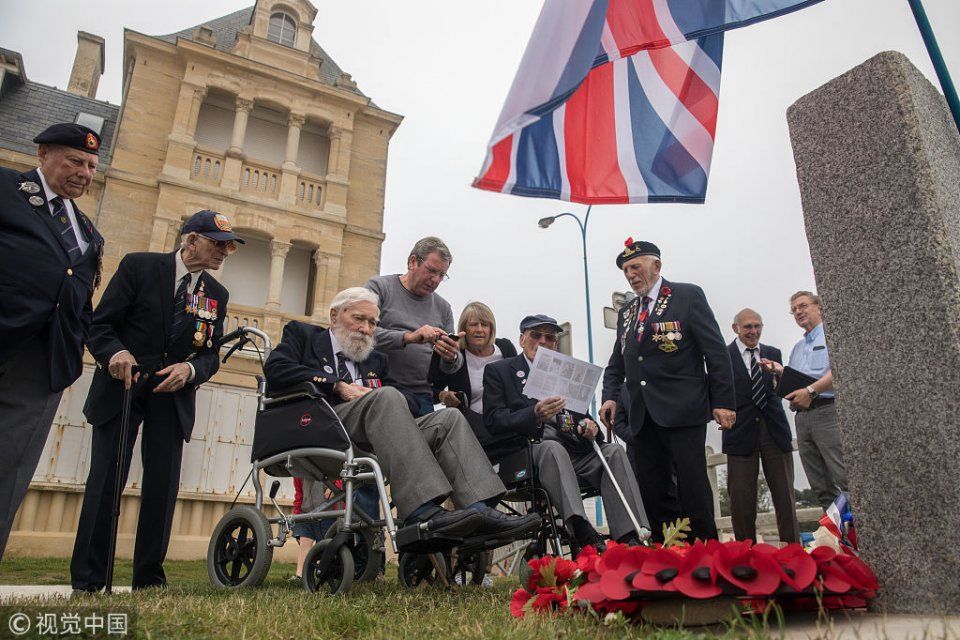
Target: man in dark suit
[(760, 434), (50, 257), (677, 368), (426, 459), (162, 313), (564, 456)]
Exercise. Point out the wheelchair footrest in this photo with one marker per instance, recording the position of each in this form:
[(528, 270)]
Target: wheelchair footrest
[(413, 539)]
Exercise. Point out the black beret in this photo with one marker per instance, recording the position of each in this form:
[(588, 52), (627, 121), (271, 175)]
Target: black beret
[(68, 134), (633, 249)]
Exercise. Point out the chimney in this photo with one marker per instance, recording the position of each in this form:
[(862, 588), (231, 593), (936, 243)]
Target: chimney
[(87, 66)]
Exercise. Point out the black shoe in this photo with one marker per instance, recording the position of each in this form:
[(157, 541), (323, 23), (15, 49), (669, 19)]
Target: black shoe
[(459, 523), (594, 540), (497, 524), (631, 540), (81, 593)]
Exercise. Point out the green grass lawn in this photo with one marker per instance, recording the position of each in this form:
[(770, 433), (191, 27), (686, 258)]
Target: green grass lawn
[(191, 608)]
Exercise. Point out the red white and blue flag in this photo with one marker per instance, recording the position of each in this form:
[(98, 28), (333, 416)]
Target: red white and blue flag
[(615, 101)]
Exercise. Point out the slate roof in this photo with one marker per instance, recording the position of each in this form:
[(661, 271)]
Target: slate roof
[(225, 29), (27, 108)]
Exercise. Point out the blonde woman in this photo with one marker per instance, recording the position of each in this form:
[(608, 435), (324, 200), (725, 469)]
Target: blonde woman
[(463, 389)]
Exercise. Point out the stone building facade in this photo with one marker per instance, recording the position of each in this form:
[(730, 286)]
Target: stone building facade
[(247, 115)]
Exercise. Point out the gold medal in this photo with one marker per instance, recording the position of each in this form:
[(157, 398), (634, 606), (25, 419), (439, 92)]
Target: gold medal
[(671, 335), (198, 336), (209, 343), (668, 347)]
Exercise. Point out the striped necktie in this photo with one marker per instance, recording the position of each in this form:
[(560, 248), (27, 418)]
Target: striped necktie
[(342, 372), (757, 392), (179, 308), (66, 228)]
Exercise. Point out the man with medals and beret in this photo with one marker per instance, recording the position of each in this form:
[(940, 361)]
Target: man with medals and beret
[(426, 459), (564, 457), (671, 353), (155, 331), (50, 262)]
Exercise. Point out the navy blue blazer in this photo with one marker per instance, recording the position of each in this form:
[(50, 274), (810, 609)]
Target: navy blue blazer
[(135, 314), (43, 292), (305, 354), (507, 412), (744, 438), (681, 387)]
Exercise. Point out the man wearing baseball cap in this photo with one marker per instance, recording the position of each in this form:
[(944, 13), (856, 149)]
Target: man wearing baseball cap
[(156, 332), (563, 456), (678, 375), (50, 256)]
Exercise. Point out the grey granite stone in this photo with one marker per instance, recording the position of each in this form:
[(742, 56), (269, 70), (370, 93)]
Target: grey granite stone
[(878, 163)]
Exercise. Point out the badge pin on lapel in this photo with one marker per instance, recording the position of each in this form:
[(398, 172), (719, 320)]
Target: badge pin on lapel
[(29, 187), (35, 200)]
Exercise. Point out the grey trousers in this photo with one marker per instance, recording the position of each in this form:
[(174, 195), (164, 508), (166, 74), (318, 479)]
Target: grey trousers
[(821, 453), (27, 408), (560, 473), (426, 458), (742, 485)]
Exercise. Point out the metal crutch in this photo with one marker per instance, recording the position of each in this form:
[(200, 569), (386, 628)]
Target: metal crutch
[(120, 481), (642, 532)]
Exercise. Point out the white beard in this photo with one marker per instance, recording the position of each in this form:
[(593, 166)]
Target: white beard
[(355, 345)]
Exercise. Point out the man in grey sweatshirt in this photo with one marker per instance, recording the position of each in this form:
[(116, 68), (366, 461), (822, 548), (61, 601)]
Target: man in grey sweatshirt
[(415, 321)]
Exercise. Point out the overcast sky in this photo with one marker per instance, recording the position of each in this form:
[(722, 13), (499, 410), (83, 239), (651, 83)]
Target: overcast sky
[(446, 67)]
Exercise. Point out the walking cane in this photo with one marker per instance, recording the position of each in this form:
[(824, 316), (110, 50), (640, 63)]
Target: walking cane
[(642, 532), (120, 481)]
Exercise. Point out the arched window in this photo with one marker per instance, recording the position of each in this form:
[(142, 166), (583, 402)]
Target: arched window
[(282, 30)]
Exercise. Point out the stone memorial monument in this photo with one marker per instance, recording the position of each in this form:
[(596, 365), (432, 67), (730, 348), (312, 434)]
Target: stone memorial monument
[(878, 163)]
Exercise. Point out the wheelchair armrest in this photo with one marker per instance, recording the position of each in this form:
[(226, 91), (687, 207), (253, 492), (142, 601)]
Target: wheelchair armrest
[(303, 389)]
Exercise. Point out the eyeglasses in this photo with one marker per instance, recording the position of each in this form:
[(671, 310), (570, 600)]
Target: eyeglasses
[(435, 273), (228, 246), (800, 307), (548, 337)]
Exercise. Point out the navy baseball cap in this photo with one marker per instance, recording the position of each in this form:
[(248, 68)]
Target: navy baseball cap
[(211, 224), (68, 134), (539, 320), (633, 249)]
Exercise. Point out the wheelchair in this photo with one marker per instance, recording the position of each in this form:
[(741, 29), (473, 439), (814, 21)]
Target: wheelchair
[(518, 472), (297, 433)]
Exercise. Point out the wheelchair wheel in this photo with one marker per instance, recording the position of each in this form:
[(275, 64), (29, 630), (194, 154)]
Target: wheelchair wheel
[(238, 555), (366, 559), (418, 570), (337, 578), (470, 568)]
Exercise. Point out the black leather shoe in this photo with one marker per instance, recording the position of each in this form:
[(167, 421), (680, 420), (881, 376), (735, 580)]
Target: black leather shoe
[(595, 540), (497, 524), (459, 523)]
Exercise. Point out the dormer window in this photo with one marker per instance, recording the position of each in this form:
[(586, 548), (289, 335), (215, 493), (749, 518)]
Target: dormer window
[(283, 29)]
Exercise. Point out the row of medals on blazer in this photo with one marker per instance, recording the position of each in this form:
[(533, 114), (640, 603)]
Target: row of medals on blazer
[(205, 310)]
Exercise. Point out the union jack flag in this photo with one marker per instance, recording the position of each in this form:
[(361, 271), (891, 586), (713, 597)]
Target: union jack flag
[(615, 101)]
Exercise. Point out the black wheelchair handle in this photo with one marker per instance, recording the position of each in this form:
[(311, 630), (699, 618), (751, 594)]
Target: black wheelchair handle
[(242, 341)]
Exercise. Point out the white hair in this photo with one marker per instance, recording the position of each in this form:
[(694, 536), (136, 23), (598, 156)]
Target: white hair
[(351, 296)]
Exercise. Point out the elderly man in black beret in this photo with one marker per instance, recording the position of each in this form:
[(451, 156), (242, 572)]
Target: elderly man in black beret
[(162, 313), (50, 257), (678, 374)]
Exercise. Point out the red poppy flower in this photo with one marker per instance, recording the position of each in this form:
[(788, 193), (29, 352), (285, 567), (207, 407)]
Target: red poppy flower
[(757, 574), (797, 568), (564, 569), (591, 592), (697, 579), (517, 603), (548, 599), (665, 291), (628, 242), (587, 560), (658, 571), (861, 576)]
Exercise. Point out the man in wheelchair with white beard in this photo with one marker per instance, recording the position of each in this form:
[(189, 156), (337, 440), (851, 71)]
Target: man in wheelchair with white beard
[(426, 459)]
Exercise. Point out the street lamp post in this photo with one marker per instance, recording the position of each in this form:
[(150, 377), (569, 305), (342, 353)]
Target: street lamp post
[(543, 223)]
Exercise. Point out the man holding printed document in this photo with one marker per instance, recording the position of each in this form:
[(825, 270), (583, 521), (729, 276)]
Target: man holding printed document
[(564, 456)]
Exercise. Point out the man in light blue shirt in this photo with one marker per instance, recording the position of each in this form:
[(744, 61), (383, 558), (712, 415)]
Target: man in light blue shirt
[(818, 435)]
